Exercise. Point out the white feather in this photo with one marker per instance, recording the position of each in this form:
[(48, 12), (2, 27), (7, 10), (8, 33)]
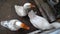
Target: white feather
[(13, 24), (22, 10), (38, 21), (56, 24)]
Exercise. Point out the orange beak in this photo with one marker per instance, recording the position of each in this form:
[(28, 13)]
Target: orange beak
[(32, 6), (24, 26)]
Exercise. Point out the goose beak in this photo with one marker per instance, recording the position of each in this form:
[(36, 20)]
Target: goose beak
[(24, 26), (32, 6)]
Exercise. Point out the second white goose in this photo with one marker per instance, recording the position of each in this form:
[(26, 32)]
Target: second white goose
[(23, 10)]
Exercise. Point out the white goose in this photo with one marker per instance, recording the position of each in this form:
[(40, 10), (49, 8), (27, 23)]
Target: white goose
[(23, 10), (38, 21), (14, 25)]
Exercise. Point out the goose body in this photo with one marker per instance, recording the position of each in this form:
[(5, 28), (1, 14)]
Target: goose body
[(56, 24), (20, 10), (38, 21)]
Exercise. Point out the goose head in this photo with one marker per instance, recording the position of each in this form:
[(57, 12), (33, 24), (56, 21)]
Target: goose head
[(28, 6)]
